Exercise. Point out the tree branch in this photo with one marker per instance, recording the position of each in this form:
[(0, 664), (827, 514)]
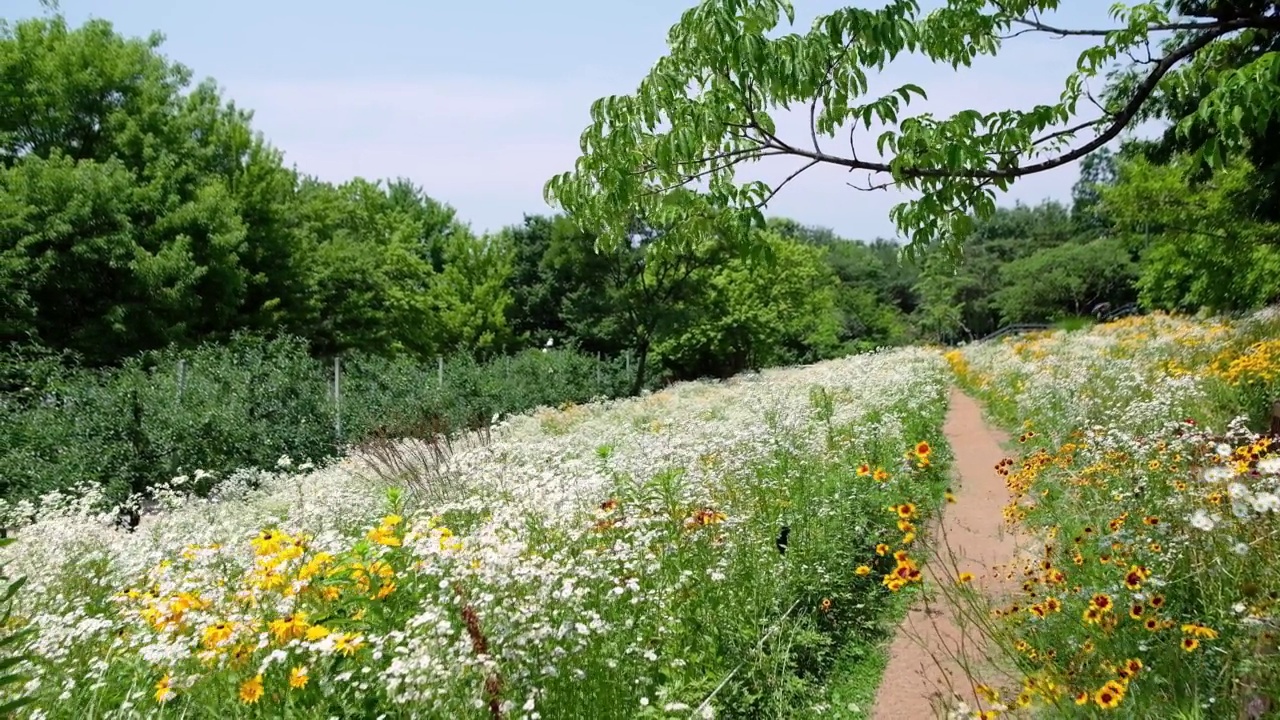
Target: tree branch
[(1119, 121), (1037, 26), (782, 184)]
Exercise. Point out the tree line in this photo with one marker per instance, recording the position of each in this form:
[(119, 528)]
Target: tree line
[(139, 210)]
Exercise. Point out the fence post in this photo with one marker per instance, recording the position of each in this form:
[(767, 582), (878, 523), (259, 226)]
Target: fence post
[(440, 371), (337, 397), (182, 378)]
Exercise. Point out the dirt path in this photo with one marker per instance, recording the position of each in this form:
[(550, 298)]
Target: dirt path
[(929, 651)]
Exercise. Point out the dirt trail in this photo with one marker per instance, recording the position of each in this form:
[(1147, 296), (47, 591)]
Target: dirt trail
[(929, 651)]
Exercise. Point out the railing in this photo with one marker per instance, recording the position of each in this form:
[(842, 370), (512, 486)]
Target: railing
[(1122, 311), (1011, 329), (1018, 328)]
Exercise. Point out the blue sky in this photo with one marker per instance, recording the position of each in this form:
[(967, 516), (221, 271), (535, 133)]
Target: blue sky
[(481, 102)]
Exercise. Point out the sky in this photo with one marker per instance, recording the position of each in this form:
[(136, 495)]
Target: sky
[(481, 102)]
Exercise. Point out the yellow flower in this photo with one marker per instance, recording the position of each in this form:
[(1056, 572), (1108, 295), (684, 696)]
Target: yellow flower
[(298, 677), (289, 627), (317, 632), (862, 570), (347, 644), (217, 634), (965, 577), (1199, 631), (1110, 695), (269, 542), (251, 690), (164, 689)]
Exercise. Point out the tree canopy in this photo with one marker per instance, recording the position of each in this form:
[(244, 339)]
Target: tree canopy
[(709, 105)]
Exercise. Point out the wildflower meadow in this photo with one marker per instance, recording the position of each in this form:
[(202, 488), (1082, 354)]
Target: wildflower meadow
[(1148, 493), (712, 550)]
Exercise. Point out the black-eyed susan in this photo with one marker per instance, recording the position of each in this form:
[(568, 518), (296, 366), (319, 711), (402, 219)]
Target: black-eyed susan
[(862, 570), (251, 690), (164, 689), (964, 577), (882, 549), (1190, 644), (864, 470)]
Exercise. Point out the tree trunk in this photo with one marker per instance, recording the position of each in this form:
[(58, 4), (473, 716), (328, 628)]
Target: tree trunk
[(642, 357)]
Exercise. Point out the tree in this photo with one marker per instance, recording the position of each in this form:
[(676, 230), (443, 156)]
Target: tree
[(1065, 281), (1097, 172), (1201, 244), (116, 178), (706, 107), (869, 295), (753, 311)]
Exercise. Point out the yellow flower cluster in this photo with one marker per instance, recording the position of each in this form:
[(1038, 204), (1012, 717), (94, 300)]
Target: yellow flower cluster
[(1257, 364), (278, 596)]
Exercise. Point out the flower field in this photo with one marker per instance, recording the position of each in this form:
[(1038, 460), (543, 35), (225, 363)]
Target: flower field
[(1143, 473), (714, 550)]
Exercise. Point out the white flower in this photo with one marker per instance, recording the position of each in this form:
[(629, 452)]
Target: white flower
[(1269, 466), (676, 707), (1218, 474), (644, 702), (1223, 450), (1201, 520), (1240, 549), (1266, 502), (1237, 491)]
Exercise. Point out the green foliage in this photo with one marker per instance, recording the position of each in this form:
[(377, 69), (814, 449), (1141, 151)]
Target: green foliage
[(12, 638), (1065, 281), (1203, 245), (752, 312), (247, 403), (708, 105)]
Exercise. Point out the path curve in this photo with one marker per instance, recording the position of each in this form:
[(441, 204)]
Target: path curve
[(929, 649)]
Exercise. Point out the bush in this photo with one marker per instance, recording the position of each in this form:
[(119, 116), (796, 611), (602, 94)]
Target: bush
[(219, 408)]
